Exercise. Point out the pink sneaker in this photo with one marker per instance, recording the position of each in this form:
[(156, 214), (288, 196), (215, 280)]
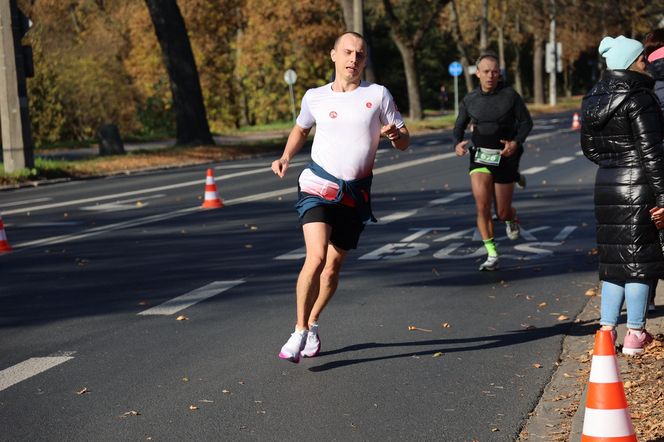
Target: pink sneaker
[(635, 342)]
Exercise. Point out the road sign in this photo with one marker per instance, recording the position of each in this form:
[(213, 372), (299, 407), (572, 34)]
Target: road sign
[(290, 77), (455, 69)]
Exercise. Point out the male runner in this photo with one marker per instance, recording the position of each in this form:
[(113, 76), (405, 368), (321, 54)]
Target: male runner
[(334, 190)]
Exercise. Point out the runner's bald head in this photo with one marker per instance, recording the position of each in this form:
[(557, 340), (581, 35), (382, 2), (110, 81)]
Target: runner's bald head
[(351, 33)]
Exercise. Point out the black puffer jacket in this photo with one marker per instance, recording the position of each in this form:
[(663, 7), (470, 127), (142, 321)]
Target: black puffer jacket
[(621, 131)]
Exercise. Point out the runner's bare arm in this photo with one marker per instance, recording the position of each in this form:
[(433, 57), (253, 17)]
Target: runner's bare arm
[(400, 138), (296, 139)]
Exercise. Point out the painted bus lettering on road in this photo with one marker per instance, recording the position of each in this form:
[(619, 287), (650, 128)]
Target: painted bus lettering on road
[(463, 245)]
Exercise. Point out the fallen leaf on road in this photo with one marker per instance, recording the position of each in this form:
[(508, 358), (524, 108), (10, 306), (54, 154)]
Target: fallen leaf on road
[(130, 413), (412, 327), (437, 354), (494, 430), (537, 365), (225, 391), (591, 292), (248, 246), (83, 391), (528, 326), (541, 304), (206, 401), (143, 303), (445, 325), (529, 298), (185, 379), (181, 318), (193, 407), (563, 318)]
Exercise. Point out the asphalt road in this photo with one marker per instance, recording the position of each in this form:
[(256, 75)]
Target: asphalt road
[(91, 348)]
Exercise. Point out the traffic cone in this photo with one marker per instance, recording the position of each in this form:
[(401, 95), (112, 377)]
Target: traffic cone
[(576, 123), (607, 417), (211, 200), (4, 244)]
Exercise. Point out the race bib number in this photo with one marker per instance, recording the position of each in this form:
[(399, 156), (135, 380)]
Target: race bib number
[(490, 157)]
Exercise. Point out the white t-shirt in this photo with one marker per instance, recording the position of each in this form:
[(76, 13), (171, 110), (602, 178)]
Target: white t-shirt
[(347, 132)]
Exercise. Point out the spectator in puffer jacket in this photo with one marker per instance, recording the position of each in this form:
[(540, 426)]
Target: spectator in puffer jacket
[(621, 131), (653, 50)]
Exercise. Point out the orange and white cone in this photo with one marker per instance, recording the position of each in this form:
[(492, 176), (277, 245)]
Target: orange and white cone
[(4, 244), (576, 122), (607, 417), (211, 200)]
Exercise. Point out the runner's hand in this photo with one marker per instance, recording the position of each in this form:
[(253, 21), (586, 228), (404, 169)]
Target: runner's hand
[(280, 166), (390, 131), (509, 149), (460, 148)]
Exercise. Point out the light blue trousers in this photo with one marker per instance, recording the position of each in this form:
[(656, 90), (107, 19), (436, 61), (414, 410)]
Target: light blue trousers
[(634, 293)]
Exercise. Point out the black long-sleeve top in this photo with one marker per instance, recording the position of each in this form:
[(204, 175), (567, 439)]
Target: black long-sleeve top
[(497, 115)]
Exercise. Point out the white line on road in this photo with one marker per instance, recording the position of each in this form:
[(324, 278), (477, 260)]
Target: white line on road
[(533, 170), (23, 203), (31, 367), (448, 199), (199, 182), (188, 299), (396, 216), (562, 160)]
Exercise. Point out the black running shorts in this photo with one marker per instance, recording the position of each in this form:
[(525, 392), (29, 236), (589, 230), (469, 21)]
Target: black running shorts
[(345, 222)]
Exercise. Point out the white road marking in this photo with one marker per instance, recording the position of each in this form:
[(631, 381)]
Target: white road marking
[(120, 205), (533, 170), (298, 253), (31, 367), (103, 229), (547, 134), (562, 160), (198, 182), (396, 216), (23, 203), (193, 297), (448, 199)]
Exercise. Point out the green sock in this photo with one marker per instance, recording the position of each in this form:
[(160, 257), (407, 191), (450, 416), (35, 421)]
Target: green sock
[(490, 247)]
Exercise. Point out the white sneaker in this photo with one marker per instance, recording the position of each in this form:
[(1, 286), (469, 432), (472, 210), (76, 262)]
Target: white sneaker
[(312, 346), (522, 181), (490, 264), (512, 229), (292, 348)]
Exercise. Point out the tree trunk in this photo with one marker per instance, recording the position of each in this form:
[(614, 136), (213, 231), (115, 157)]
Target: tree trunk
[(484, 26), (412, 79), (516, 67), (190, 117), (458, 41), (538, 76), (347, 9), (501, 49)]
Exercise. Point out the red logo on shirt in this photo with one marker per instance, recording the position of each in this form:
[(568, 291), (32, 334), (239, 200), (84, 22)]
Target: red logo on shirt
[(369, 104), (333, 114)]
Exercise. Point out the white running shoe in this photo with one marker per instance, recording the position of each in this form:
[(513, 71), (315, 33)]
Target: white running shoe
[(512, 229), (292, 348), (490, 264), (312, 346), (522, 181)]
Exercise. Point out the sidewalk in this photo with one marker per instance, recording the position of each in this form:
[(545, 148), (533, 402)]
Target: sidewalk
[(560, 411)]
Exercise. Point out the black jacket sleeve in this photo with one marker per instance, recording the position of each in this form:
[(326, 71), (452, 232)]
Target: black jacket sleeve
[(461, 123)]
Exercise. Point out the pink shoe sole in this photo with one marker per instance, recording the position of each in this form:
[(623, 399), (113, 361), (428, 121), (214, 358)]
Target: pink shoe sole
[(311, 355), (295, 359)]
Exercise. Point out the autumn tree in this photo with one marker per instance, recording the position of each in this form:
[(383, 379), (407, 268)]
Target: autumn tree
[(279, 36), (409, 21), (190, 116)]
